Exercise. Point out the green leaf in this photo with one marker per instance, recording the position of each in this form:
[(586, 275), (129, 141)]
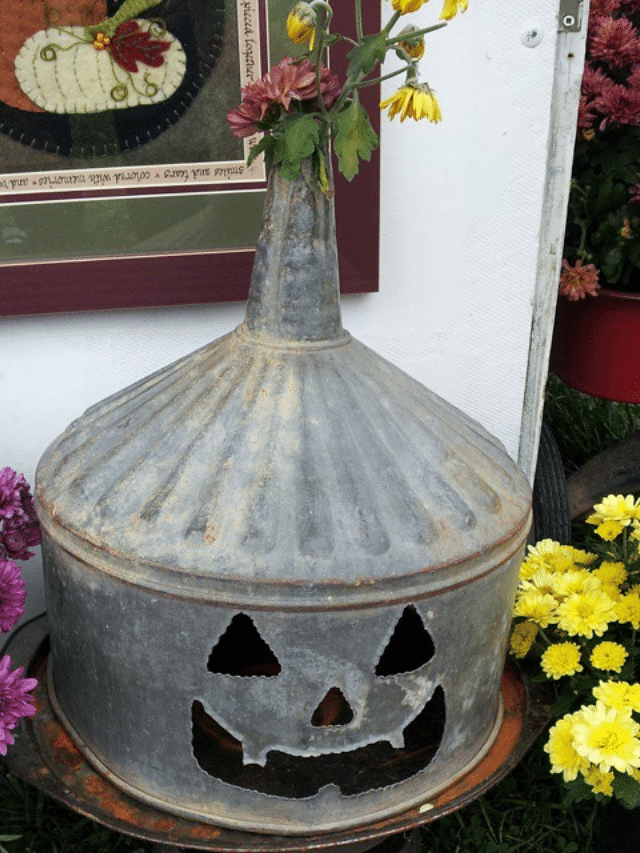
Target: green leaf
[(355, 139), (366, 55), (576, 790), (266, 145), (627, 790), (299, 139)]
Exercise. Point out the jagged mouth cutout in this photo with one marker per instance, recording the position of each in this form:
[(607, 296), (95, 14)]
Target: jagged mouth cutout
[(355, 771)]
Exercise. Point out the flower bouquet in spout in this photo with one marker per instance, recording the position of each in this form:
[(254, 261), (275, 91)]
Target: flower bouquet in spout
[(577, 616), (602, 242), (301, 106), (19, 531)]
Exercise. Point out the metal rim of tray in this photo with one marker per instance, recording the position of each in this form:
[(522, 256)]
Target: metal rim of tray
[(45, 756)]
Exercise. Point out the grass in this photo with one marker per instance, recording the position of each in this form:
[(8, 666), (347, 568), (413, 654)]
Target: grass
[(524, 813), (583, 425)]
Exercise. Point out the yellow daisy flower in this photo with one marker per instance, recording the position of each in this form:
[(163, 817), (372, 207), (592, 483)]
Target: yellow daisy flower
[(543, 581), (574, 581), (611, 573), (451, 8), (628, 609), (406, 6), (586, 613), (562, 754), (550, 555), (609, 656), (301, 25), (534, 605), (561, 659), (413, 101), (614, 592), (599, 781), (522, 638), (614, 514), (607, 738), (619, 695)]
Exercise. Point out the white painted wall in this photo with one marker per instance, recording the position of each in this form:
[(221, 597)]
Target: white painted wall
[(464, 225)]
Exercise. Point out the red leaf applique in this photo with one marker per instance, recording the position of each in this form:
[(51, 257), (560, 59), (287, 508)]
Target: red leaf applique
[(131, 44)]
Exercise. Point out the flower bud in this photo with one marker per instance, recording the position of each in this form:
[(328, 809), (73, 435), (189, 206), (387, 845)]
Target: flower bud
[(413, 45), (301, 23)]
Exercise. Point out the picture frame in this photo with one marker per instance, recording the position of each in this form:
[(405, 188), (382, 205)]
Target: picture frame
[(191, 224)]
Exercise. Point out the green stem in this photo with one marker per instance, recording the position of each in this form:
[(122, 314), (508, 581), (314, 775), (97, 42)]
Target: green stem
[(358, 15), (395, 39), (388, 76), (393, 20), (322, 30)]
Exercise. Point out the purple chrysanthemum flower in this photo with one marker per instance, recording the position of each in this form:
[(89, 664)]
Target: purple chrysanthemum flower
[(15, 700), (12, 594), (17, 537), (19, 527), (14, 489)]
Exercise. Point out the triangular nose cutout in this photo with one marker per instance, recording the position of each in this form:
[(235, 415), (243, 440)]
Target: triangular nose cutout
[(334, 710)]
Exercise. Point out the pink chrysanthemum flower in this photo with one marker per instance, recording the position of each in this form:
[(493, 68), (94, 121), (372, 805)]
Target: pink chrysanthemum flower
[(12, 594), (614, 41), (577, 281), (286, 82), (603, 8), (620, 104), (15, 700), (594, 82)]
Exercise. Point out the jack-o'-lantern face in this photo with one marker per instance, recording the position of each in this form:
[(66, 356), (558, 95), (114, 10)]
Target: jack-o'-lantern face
[(286, 720)]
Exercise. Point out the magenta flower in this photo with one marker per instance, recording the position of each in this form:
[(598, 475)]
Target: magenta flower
[(12, 594), (15, 700), (14, 494), (16, 538), (19, 528)]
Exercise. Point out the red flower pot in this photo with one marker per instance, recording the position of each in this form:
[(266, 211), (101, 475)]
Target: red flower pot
[(596, 345)]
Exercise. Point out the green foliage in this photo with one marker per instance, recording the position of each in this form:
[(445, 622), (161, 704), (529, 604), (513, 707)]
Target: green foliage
[(298, 138), (602, 224), (33, 823), (366, 55), (627, 791), (355, 139)]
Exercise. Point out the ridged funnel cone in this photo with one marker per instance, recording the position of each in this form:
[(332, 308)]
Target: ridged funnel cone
[(280, 523)]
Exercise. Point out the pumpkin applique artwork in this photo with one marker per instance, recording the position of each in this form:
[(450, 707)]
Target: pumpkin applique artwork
[(100, 68), (96, 77)]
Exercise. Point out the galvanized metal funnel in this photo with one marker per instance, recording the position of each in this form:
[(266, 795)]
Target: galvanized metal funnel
[(280, 572)]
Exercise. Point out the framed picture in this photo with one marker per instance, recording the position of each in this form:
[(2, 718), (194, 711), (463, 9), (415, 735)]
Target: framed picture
[(121, 184)]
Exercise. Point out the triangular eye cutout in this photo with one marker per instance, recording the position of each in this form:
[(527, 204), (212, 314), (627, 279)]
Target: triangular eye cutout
[(334, 710), (242, 651), (409, 647)]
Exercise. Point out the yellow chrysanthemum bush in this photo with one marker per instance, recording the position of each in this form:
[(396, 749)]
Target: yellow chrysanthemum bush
[(576, 616), (300, 107)]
